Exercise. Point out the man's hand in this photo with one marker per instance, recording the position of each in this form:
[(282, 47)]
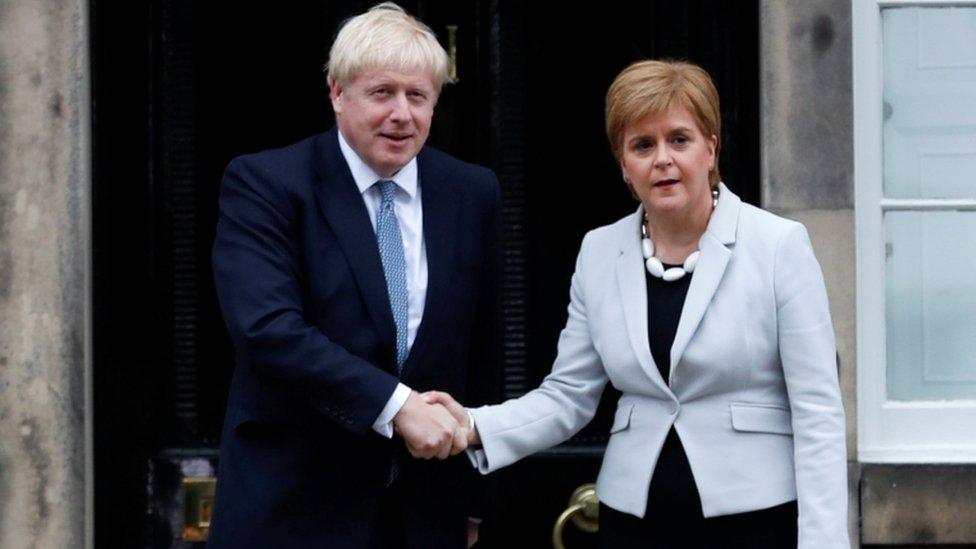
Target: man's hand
[(459, 412), (429, 430)]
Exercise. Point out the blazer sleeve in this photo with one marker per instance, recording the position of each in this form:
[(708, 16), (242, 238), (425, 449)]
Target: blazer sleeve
[(257, 275), (563, 404), (809, 359)]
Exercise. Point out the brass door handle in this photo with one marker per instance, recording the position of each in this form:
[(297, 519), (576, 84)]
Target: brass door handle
[(584, 510)]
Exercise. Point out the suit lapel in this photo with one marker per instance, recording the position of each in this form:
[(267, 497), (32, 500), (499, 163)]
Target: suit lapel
[(439, 239), (708, 274), (344, 211), (633, 296)]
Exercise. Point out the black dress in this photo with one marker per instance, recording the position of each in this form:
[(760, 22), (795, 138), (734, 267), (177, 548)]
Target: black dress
[(674, 515)]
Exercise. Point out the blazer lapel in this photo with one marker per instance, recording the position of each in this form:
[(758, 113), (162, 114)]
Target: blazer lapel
[(633, 296), (708, 273), (344, 211), (439, 214)]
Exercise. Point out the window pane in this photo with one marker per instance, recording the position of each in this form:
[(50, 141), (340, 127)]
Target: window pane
[(930, 102), (931, 305)]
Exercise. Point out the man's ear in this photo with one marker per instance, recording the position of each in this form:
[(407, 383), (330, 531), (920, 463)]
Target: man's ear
[(335, 95)]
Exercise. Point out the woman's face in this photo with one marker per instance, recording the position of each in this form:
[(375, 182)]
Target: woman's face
[(666, 160)]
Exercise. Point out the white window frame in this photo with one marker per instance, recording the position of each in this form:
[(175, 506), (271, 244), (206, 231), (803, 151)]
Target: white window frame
[(891, 431)]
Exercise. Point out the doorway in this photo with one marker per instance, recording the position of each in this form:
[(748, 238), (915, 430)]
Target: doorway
[(181, 88)]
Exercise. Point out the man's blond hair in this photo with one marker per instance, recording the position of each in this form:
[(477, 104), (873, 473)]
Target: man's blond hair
[(386, 37)]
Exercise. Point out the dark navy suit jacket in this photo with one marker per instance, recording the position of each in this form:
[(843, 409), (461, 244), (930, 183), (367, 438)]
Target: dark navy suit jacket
[(302, 291)]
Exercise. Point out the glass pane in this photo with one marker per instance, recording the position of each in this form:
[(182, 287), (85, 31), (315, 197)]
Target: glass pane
[(931, 305), (930, 102)]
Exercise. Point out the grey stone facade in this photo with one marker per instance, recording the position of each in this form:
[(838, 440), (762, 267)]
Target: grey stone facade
[(918, 504), (807, 131), (44, 268)]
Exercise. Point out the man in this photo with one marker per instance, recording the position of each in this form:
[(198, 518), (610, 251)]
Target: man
[(354, 270)]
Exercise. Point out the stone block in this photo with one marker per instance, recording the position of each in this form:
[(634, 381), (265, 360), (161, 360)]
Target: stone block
[(806, 105), (918, 504)]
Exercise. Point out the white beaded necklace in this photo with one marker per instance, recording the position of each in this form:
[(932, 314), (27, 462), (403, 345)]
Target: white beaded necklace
[(654, 265)]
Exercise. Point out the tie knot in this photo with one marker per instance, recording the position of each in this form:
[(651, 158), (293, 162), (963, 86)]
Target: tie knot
[(387, 189)]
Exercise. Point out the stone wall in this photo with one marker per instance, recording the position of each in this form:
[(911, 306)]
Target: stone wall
[(807, 149), (44, 268)]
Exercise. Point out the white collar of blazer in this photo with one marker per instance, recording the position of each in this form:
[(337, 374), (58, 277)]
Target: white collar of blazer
[(714, 245)]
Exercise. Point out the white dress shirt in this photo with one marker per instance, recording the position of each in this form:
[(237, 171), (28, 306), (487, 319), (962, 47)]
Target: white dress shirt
[(408, 207)]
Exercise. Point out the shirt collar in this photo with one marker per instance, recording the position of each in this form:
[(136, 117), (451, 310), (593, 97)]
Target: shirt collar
[(365, 177)]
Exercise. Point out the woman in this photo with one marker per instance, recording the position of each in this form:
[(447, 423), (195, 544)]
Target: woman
[(711, 317)]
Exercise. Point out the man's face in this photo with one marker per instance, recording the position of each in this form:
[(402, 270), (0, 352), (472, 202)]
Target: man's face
[(385, 116)]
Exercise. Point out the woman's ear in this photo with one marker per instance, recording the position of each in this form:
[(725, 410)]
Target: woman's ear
[(712, 147)]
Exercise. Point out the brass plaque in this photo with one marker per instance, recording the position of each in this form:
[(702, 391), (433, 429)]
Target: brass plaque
[(198, 501)]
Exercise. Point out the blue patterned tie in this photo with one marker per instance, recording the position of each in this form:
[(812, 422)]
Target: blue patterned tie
[(394, 265), (395, 271)]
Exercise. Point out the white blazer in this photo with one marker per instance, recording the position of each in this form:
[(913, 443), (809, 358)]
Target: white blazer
[(753, 393)]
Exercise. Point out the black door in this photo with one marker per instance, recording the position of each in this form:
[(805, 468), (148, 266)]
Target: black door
[(180, 88), (554, 66)]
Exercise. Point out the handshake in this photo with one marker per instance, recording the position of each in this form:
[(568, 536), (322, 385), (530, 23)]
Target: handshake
[(434, 425)]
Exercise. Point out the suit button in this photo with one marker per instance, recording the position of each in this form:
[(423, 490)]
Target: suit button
[(673, 408)]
